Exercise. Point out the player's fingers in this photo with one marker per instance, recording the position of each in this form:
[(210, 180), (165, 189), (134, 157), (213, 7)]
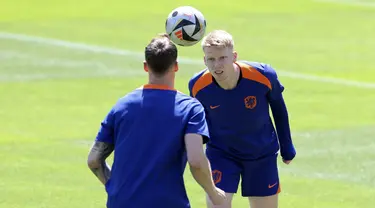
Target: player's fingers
[(287, 161)]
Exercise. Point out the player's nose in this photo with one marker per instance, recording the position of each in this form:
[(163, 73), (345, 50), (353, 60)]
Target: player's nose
[(216, 64)]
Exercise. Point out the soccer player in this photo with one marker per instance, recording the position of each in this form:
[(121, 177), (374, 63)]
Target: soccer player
[(237, 96), (153, 131)]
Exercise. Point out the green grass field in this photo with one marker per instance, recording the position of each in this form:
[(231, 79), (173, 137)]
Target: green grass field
[(64, 64)]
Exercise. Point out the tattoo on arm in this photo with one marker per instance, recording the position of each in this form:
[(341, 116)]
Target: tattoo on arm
[(96, 160)]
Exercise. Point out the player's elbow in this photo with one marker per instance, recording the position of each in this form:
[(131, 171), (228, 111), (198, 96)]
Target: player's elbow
[(93, 162), (196, 162)]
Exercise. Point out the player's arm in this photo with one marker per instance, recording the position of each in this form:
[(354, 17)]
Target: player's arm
[(281, 118), (198, 162), (96, 160), (102, 148), (280, 115), (195, 135)]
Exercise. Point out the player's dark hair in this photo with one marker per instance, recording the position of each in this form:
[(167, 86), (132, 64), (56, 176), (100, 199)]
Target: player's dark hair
[(160, 54)]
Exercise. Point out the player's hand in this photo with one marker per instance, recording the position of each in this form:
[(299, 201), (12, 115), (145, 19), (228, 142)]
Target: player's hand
[(218, 197), (287, 161)]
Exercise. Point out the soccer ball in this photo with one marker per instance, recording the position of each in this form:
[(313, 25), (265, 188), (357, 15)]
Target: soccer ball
[(185, 26)]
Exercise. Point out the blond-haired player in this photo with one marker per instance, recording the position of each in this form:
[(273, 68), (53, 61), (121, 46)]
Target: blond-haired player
[(237, 96)]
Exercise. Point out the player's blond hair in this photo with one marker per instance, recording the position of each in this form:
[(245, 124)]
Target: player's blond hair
[(218, 38)]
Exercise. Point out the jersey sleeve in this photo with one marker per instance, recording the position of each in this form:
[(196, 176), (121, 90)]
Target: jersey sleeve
[(280, 114), (106, 130), (277, 88), (197, 123), (281, 118)]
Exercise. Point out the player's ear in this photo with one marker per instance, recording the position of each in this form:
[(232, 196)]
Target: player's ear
[(204, 59), (175, 67), (145, 67), (235, 56)]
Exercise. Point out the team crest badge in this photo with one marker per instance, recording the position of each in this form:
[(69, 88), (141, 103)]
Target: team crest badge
[(250, 102), (216, 175)]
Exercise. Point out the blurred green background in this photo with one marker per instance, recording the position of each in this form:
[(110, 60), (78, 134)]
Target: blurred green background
[(64, 64)]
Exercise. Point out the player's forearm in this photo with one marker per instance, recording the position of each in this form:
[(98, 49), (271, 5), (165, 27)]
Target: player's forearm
[(281, 118), (102, 172), (96, 160), (202, 174)]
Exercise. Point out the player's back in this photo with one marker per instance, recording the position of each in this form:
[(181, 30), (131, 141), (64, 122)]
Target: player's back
[(149, 157)]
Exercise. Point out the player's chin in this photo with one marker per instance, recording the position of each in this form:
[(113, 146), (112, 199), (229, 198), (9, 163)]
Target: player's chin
[(219, 76), (216, 72)]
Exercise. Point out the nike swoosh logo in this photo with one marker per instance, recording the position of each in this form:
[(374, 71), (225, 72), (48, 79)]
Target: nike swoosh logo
[(271, 186), (213, 107)]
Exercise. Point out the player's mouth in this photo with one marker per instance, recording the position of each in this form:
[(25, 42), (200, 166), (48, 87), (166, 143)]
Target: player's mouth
[(218, 72)]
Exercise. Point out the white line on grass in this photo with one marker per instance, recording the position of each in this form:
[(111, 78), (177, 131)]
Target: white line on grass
[(83, 46), (96, 68), (349, 2), (327, 79), (41, 76), (121, 52), (336, 151), (324, 175)]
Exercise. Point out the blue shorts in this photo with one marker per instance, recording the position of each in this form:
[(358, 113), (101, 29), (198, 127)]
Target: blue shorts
[(258, 177)]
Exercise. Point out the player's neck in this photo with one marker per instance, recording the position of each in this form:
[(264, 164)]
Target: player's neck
[(232, 80), (166, 80)]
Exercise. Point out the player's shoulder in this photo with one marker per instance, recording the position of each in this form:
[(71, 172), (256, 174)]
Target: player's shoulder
[(132, 96), (199, 75), (199, 81), (186, 104), (129, 98), (186, 99), (264, 68)]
